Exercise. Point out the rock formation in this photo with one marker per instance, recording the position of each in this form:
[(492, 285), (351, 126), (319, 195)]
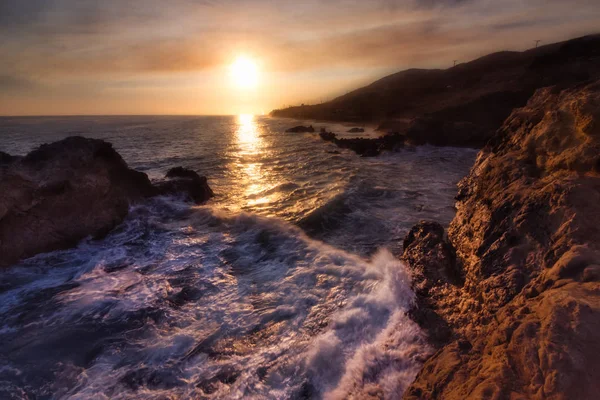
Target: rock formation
[(185, 182), (512, 295), (63, 192), (365, 147), (301, 129)]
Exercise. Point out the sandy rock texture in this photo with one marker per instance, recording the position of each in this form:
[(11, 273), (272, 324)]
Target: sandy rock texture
[(521, 299)]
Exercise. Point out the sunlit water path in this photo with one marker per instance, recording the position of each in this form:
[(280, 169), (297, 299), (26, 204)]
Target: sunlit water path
[(284, 286)]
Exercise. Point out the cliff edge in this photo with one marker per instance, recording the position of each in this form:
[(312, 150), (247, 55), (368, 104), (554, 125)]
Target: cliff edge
[(511, 296)]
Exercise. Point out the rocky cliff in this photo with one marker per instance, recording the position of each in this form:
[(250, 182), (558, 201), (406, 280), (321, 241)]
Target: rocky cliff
[(463, 105), (63, 192), (512, 295)]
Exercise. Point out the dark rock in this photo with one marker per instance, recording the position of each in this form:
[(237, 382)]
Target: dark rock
[(63, 192), (435, 272), (6, 158), (180, 172), (301, 129), (363, 146), (182, 181), (431, 256)]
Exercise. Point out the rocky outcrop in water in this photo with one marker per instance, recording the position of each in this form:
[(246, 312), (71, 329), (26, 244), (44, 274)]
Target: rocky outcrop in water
[(301, 129), (63, 192), (365, 147), (521, 300), (183, 181)]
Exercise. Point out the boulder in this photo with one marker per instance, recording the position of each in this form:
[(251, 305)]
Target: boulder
[(63, 192), (526, 321), (183, 181), (431, 256), (301, 129)]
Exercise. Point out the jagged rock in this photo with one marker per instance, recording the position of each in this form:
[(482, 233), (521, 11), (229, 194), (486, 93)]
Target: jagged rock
[(63, 192), (301, 129), (183, 181), (363, 146), (527, 238), (435, 272)]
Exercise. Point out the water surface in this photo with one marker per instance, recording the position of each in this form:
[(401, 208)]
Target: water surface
[(285, 285)]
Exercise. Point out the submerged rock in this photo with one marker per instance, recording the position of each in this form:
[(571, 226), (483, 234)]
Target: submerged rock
[(301, 129), (356, 130), (526, 322), (63, 192)]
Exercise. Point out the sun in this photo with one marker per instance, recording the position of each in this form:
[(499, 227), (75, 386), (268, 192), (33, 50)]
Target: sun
[(244, 72)]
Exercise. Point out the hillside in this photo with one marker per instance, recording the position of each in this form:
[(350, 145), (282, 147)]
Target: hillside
[(462, 105)]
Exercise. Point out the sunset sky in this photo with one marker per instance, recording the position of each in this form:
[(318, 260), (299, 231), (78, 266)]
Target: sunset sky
[(175, 57)]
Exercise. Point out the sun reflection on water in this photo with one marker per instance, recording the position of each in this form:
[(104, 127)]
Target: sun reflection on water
[(251, 153)]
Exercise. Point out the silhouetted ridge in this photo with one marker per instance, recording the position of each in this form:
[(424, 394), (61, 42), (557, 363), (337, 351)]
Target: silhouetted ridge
[(465, 104)]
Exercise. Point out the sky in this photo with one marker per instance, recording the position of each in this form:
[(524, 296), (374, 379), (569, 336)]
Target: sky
[(84, 57)]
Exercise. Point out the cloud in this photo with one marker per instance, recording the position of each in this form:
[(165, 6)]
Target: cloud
[(68, 44), (16, 84)]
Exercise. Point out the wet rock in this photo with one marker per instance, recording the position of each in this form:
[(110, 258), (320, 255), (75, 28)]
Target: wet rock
[(301, 129), (63, 192), (183, 181), (435, 272), (527, 238), (356, 130), (431, 256), (365, 147)]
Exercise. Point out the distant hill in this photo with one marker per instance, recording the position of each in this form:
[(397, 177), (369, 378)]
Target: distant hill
[(465, 104)]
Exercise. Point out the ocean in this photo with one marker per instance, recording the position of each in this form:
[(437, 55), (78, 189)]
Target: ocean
[(286, 284)]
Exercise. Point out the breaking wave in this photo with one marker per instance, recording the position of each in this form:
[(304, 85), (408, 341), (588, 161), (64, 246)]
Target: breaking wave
[(283, 291), (202, 302)]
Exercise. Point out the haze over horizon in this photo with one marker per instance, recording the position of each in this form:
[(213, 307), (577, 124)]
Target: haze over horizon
[(68, 57)]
